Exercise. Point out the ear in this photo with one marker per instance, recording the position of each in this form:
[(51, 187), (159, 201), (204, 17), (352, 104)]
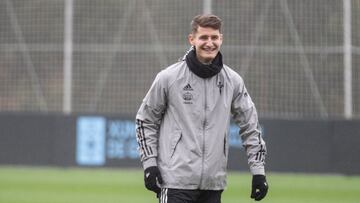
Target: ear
[(191, 39)]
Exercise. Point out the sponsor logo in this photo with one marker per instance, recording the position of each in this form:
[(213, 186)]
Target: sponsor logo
[(220, 86), (188, 88), (187, 96)]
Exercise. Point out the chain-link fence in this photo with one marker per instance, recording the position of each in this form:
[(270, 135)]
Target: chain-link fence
[(290, 53)]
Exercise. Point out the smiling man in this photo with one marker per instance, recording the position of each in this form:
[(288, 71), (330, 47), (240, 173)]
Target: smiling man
[(206, 40), (182, 124)]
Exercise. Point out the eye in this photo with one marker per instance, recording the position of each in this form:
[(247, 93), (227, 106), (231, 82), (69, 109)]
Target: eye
[(203, 37), (214, 37)]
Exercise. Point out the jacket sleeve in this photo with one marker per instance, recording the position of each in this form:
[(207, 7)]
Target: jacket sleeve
[(245, 115), (148, 121)]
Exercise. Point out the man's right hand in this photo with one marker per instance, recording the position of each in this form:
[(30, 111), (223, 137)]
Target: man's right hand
[(152, 177)]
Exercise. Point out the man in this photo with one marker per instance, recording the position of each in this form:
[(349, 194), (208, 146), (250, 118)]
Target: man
[(182, 124)]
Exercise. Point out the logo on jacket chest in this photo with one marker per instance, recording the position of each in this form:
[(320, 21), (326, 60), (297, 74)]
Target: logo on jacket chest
[(187, 96)]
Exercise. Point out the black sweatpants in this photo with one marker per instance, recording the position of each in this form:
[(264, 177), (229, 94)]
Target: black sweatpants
[(169, 195)]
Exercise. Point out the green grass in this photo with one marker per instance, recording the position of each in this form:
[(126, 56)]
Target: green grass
[(78, 185)]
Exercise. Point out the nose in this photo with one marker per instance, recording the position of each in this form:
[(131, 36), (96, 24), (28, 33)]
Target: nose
[(209, 39), (210, 42)]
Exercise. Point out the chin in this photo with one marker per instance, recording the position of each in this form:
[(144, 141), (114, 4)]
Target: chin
[(209, 58)]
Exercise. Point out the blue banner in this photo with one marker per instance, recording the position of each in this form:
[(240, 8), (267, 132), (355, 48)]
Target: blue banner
[(90, 141), (100, 140)]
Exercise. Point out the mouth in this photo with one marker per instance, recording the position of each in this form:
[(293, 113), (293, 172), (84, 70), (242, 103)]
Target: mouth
[(209, 50)]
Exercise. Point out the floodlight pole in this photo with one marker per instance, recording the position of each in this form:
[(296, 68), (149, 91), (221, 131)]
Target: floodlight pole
[(207, 7), (67, 63), (347, 59)]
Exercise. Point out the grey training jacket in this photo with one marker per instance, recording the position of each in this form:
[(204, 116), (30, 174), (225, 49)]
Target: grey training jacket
[(183, 124)]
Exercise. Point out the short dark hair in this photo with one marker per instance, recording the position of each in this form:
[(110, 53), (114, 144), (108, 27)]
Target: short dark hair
[(207, 20)]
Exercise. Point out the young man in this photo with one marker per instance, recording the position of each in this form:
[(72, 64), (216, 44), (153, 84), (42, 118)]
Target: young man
[(182, 124)]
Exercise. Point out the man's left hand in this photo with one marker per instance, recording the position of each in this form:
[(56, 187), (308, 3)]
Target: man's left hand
[(259, 187)]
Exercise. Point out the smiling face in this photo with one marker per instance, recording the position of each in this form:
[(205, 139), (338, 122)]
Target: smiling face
[(207, 42)]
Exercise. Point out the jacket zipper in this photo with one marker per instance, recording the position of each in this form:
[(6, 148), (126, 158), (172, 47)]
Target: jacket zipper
[(204, 130)]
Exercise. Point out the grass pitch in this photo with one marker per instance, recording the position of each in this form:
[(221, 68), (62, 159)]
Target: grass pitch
[(79, 185)]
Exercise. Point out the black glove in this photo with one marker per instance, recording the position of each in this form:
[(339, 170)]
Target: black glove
[(259, 187), (152, 176)]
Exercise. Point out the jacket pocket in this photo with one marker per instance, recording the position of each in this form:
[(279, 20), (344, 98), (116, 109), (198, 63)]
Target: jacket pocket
[(225, 145), (174, 142)]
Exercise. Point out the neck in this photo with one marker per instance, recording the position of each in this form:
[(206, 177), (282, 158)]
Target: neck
[(203, 61)]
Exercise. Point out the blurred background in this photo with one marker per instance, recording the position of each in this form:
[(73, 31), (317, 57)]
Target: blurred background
[(299, 59), (74, 72)]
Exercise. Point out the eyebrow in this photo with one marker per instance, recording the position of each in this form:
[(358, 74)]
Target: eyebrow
[(203, 36)]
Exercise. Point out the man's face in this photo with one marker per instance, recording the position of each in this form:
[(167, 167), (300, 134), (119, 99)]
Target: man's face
[(207, 42)]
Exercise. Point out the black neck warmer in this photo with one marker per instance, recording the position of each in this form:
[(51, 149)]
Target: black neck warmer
[(202, 70)]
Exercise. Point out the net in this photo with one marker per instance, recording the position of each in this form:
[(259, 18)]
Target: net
[(288, 52)]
